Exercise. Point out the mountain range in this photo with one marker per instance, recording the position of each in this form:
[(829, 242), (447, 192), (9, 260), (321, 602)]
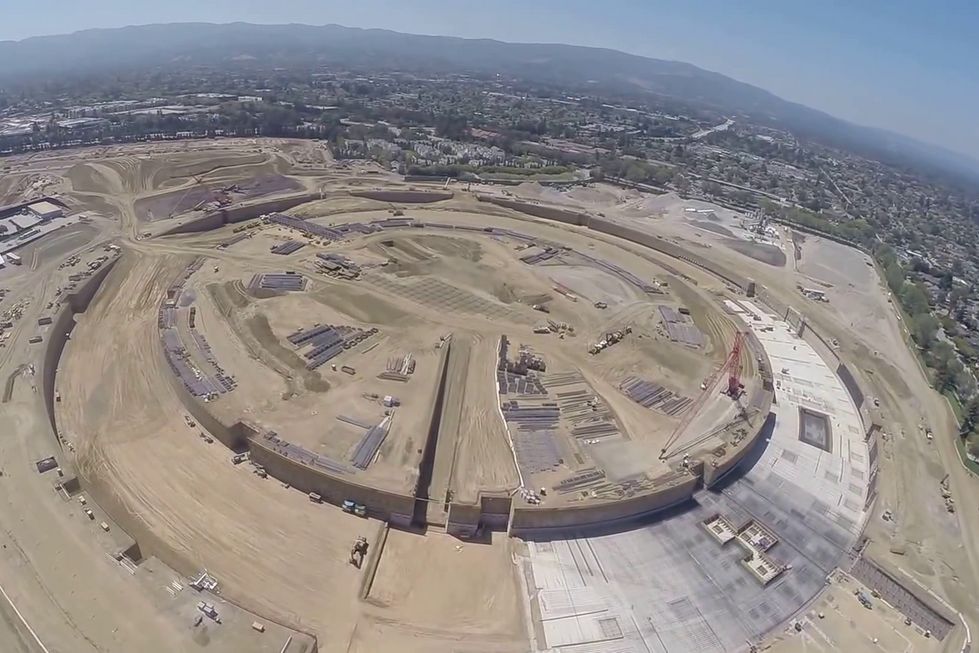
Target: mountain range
[(132, 48)]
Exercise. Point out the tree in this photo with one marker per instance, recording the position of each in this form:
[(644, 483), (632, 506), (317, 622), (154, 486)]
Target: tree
[(970, 417), (924, 328), (914, 297)]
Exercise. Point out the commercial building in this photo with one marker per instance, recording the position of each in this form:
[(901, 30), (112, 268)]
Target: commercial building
[(45, 210)]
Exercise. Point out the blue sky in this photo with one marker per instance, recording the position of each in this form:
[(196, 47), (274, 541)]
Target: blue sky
[(912, 67)]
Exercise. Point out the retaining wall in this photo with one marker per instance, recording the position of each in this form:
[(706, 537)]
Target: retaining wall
[(851, 385), (664, 246), (58, 334), (539, 210), (333, 488), (528, 521), (240, 213), (404, 196), (491, 511), (463, 520), (650, 241)]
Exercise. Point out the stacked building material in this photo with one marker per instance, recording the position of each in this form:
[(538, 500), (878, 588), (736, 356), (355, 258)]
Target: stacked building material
[(531, 417), (288, 247), (679, 328), (585, 412), (284, 281), (580, 480), (398, 368), (536, 451), (623, 274), (303, 455), (306, 227), (369, 445), (327, 341), (393, 223), (539, 257), (233, 240), (654, 396)]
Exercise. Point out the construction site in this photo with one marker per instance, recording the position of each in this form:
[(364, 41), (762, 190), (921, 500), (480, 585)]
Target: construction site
[(315, 408)]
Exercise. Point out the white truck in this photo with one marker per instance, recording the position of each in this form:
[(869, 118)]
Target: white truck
[(14, 259)]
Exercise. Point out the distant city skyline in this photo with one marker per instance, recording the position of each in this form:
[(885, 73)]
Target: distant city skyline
[(904, 66)]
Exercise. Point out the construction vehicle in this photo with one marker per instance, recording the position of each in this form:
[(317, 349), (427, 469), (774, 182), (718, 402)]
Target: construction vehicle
[(602, 305), (608, 340), (358, 552), (541, 307)]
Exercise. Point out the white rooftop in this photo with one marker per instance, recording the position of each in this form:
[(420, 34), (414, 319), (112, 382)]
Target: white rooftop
[(45, 208)]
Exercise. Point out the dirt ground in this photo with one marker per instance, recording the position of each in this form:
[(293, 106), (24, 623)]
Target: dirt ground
[(483, 614), (838, 622), (273, 549)]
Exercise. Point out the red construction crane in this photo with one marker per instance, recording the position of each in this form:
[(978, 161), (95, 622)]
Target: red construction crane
[(733, 367)]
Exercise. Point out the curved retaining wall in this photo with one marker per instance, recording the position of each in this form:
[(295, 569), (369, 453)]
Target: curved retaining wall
[(494, 512), (531, 521), (58, 334), (491, 511), (334, 488), (240, 213), (650, 241), (404, 196)]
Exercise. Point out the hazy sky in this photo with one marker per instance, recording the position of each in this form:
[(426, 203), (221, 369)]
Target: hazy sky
[(912, 67)]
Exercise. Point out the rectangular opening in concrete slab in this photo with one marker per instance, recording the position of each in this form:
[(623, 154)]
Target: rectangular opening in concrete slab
[(815, 429)]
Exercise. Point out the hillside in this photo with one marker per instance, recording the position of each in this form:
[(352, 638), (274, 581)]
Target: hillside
[(237, 44)]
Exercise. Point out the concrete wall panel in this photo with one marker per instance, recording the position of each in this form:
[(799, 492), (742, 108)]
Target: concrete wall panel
[(240, 213), (404, 196), (58, 334), (333, 488), (530, 521)]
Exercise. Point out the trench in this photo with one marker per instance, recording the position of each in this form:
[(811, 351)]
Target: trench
[(427, 464)]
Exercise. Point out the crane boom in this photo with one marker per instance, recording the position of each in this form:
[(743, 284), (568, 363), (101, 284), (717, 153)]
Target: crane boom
[(732, 366)]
